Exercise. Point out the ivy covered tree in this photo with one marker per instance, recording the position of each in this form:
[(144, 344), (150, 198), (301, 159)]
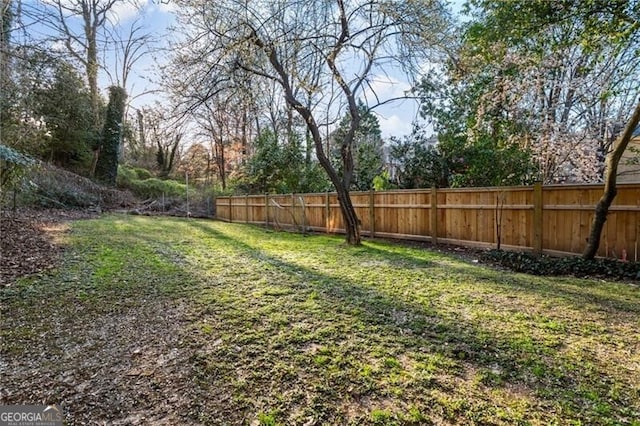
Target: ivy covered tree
[(6, 20), (107, 165)]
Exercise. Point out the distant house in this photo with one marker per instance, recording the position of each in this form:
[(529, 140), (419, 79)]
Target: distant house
[(629, 168)]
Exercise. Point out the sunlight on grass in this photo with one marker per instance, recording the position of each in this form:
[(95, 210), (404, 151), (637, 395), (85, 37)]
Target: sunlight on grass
[(304, 330)]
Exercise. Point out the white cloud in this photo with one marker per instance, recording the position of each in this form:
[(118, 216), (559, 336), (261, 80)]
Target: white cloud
[(382, 88), (168, 7), (123, 11), (58, 46), (394, 125)]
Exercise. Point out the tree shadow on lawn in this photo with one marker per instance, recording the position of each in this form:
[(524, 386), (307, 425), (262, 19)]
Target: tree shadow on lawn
[(580, 293), (506, 360)]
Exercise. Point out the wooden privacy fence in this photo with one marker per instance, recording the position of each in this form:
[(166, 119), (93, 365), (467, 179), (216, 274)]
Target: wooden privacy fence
[(543, 219)]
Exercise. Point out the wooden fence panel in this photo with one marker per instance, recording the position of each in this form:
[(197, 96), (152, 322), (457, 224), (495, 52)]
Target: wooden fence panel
[(256, 209), (222, 208), (552, 219), (386, 214), (361, 204), (334, 217), (315, 212)]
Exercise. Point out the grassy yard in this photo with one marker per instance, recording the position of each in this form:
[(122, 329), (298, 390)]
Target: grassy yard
[(170, 321)]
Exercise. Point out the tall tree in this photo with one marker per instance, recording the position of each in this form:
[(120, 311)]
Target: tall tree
[(416, 162), (329, 51), (107, 166), (63, 104), (165, 134), (572, 69), (553, 77), (129, 46), (224, 121), (82, 26)]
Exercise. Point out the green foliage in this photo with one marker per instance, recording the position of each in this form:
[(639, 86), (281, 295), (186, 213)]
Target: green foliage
[(418, 163), (366, 149), (107, 166), (13, 166), (576, 266), (155, 188), (487, 162), (382, 182), (142, 174), (267, 419), (597, 22), (65, 107), (382, 417), (44, 109), (148, 187), (125, 176), (281, 168), (469, 155)]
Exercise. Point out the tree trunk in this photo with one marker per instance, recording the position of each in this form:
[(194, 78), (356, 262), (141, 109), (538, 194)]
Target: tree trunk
[(349, 216), (611, 171)]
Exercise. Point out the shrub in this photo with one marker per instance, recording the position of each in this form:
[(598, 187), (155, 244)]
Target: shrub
[(576, 266), (147, 186), (13, 166), (156, 188), (142, 174), (125, 177)]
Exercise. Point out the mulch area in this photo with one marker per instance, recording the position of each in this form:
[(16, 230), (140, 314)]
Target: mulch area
[(28, 240)]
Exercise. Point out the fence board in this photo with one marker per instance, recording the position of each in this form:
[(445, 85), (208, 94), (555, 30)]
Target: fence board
[(555, 220)]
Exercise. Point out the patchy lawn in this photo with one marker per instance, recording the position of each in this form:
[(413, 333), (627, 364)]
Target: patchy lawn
[(175, 321)]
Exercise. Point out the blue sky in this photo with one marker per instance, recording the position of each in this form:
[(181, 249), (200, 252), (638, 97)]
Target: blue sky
[(156, 16)]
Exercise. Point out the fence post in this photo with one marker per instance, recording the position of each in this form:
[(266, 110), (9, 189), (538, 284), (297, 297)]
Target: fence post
[(434, 215), (246, 208), (293, 211), (230, 208), (266, 209), (327, 211), (372, 214), (537, 218)]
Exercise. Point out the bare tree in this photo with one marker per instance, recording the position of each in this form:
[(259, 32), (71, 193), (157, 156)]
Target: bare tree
[(130, 46), (82, 26), (82, 42), (221, 122), (166, 134), (323, 55)]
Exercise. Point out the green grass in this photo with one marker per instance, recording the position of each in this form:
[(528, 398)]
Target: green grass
[(296, 329)]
